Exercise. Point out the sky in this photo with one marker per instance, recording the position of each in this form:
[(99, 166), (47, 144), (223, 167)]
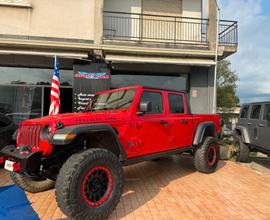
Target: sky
[(252, 60)]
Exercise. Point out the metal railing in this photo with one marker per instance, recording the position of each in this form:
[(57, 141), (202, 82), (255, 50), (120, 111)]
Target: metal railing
[(154, 28), (228, 32), (124, 26)]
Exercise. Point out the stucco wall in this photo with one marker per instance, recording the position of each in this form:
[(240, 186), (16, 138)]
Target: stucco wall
[(49, 18), (131, 6), (76, 19), (192, 8), (162, 7)]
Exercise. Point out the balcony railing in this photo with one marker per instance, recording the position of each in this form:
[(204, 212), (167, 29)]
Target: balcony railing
[(137, 27), (228, 32), (154, 28)]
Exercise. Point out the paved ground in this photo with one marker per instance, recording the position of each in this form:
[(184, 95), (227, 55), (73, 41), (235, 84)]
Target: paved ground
[(172, 189)]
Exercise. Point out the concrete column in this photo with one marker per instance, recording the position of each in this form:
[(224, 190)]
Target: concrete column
[(211, 15), (199, 90), (211, 76), (98, 31)]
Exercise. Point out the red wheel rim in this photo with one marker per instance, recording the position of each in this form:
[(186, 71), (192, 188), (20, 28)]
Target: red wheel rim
[(97, 186), (211, 155)]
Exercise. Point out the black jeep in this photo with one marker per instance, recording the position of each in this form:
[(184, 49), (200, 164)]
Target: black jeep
[(252, 132)]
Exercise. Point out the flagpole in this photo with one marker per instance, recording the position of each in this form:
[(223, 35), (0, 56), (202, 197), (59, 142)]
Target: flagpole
[(55, 89)]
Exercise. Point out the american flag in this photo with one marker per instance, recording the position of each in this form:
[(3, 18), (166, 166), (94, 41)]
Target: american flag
[(55, 91)]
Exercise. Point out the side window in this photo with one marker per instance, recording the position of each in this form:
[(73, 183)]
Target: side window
[(244, 111), (176, 104), (255, 111), (156, 99), (266, 111)]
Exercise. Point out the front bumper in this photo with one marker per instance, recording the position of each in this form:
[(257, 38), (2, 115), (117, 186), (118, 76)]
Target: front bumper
[(28, 162)]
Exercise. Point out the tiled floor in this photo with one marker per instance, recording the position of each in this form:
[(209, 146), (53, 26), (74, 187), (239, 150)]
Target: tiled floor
[(172, 189)]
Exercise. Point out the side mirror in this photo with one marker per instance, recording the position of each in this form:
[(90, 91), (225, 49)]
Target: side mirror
[(144, 107), (268, 117)]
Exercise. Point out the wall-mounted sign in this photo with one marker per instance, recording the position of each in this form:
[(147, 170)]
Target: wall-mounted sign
[(88, 79), (91, 75)]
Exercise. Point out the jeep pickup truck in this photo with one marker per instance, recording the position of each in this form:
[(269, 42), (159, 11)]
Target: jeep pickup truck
[(252, 131), (83, 153)]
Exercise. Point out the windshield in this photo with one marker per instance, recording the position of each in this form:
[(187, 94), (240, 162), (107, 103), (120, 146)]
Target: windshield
[(121, 99)]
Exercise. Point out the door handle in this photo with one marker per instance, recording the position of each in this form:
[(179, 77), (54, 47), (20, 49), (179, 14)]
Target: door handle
[(184, 121), (249, 123), (165, 123), (261, 125)]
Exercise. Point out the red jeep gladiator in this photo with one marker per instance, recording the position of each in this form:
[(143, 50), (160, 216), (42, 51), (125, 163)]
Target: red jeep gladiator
[(83, 153)]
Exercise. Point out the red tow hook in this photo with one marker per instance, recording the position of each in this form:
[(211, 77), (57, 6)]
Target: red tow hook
[(17, 167)]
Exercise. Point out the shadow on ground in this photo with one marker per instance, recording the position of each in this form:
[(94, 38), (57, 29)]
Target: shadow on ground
[(263, 161), (145, 180)]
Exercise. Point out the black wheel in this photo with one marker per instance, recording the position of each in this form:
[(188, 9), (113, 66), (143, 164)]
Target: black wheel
[(30, 185), (206, 156), (90, 184), (241, 152)]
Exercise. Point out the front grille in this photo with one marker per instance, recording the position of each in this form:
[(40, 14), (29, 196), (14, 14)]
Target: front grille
[(30, 135)]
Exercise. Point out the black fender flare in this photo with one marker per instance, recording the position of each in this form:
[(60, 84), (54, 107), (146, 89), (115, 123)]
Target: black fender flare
[(200, 132), (243, 133), (86, 129)]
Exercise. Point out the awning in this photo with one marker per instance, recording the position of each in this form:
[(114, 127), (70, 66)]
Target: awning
[(163, 60), (65, 54)]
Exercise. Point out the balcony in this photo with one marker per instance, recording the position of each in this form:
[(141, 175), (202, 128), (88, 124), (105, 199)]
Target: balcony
[(228, 33), (169, 30)]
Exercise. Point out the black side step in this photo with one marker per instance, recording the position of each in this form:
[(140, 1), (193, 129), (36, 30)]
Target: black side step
[(156, 155)]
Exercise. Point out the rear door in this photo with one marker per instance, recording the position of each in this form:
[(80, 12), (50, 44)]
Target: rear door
[(254, 122), (180, 121), (264, 129)]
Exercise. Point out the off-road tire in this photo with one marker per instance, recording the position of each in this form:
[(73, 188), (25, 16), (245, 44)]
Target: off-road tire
[(30, 185), (70, 182), (243, 154), (202, 154)]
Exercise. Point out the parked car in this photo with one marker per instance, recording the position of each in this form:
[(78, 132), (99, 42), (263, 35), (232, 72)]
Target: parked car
[(252, 132), (7, 128), (84, 152)]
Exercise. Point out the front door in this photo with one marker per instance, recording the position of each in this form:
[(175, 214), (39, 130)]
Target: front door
[(180, 120), (150, 131), (264, 129)]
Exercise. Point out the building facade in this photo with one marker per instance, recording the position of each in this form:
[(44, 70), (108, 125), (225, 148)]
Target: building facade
[(165, 43)]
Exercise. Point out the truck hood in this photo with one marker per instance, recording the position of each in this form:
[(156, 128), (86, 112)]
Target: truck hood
[(69, 119)]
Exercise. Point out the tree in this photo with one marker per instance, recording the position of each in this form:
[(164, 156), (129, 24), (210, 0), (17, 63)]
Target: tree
[(227, 99)]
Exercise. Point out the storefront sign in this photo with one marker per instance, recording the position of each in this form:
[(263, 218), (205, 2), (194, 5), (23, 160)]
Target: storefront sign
[(86, 75), (89, 79)]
